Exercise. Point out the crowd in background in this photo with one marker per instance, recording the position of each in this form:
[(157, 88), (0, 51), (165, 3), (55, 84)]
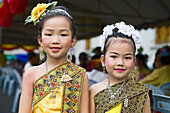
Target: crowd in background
[(155, 76)]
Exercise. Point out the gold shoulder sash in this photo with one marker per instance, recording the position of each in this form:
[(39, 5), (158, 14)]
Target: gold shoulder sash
[(72, 89), (136, 95)]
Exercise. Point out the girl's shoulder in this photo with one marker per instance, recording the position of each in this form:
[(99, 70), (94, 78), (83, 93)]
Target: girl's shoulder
[(34, 72), (95, 88)]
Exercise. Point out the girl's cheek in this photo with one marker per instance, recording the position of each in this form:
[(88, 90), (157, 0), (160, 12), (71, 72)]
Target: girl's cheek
[(130, 64), (108, 62)]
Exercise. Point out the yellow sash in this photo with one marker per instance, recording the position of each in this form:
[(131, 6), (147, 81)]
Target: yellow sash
[(46, 106), (116, 109)]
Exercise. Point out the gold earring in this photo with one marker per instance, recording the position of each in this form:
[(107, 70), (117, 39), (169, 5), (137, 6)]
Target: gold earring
[(133, 77), (69, 59), (41, 52)]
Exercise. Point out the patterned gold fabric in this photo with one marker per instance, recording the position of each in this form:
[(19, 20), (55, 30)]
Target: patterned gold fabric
[(136, 95), (68, 99)]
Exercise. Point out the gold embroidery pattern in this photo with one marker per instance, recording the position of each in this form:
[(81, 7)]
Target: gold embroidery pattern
[(136, 95)]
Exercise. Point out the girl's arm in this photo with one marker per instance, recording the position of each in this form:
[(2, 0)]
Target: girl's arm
[(147, 108), (26, 94), (84, 103), (92, 105)]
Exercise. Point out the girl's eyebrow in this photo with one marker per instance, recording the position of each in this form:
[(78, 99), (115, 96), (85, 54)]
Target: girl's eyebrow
[(118, 53), (48, 30), (61, 30), (113, 53), (129, 54)]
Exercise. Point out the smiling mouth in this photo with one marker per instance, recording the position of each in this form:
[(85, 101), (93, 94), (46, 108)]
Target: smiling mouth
[(119, 70), (55, 49)]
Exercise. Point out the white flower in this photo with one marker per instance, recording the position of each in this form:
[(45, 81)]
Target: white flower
[(128, 30), (108, 30)]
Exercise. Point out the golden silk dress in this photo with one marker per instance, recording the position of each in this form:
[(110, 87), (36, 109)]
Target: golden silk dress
[(135, 93), (68, 97), (158, 76)]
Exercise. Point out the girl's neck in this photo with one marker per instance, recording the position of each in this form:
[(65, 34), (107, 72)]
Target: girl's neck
[(113, 80), (54, 62)]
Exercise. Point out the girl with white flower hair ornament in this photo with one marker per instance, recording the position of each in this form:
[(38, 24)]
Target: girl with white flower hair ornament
[(57, 85), (119, 93)]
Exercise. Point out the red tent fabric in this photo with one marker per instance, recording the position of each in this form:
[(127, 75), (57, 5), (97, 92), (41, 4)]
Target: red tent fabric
[(10, 7), (17, 6), (5, 14)]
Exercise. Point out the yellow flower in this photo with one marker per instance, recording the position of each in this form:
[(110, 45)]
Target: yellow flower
[(38, 11)]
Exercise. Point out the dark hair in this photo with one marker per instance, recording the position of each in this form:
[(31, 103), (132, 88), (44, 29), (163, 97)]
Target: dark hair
[(83, 57), (115, 34), (164, 55), (31, 55), (53, 13), (143, 58)]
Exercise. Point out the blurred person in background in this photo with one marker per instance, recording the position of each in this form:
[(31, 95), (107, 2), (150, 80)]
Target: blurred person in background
[(161, 73), (96, 74), (84, 61), (97, 52), (141, 63), (33, 60)]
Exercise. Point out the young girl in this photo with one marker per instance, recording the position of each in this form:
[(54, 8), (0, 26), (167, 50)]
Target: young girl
[(55, 86), (119, 93)]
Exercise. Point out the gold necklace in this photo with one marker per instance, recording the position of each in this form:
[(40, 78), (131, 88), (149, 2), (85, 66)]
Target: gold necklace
[(65, 78)]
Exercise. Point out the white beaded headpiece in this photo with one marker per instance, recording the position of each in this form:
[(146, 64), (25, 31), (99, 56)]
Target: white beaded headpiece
[(128, 30)]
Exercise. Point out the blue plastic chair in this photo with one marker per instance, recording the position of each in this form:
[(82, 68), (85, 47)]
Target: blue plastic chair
[(161, 103), (91, 82), (6, 74), (18, 91), (2, 77), (165, 88), (8, 81), (12, 82), (155, 90)]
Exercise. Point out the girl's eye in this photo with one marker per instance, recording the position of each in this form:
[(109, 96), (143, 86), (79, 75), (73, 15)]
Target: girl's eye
[(63, 34), (48, 34), (128, 57), (114, 56)]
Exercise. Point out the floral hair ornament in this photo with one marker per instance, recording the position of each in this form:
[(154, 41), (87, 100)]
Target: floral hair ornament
[(128, 30), (39, 12)]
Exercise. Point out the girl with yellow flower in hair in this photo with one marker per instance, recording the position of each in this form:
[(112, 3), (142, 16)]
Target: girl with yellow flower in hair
[(57, 85)]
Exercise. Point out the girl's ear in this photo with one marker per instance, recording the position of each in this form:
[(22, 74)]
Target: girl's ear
[(74, 40), (39, 40), (102, 60)]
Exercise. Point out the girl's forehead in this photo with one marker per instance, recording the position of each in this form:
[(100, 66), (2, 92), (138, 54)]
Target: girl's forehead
[(57, 21), (121, 44)]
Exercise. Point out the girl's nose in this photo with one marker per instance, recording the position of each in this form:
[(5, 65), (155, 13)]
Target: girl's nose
[(120, 62), (56, 40)]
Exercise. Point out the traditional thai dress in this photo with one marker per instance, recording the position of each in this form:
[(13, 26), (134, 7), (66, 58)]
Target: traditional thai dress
[(135, 93), (158, 76), (69, 93)]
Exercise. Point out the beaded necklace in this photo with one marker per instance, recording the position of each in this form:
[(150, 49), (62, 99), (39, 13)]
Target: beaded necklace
[(113, 95), (65, 78)]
